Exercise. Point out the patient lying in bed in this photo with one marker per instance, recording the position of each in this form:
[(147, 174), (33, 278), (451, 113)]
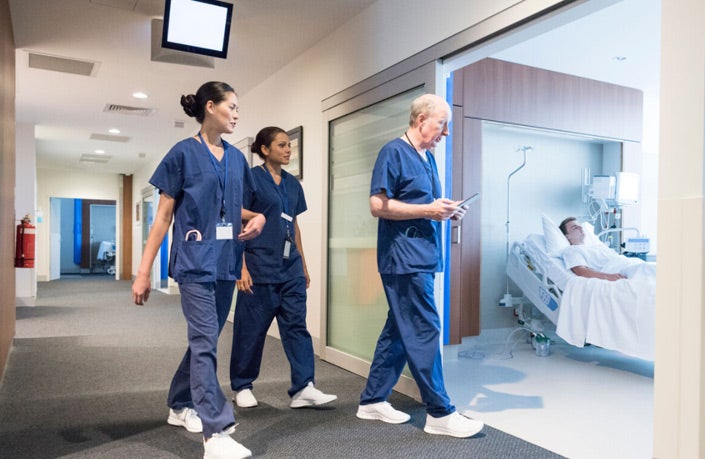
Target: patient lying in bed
[(616, 315), (596, 260)]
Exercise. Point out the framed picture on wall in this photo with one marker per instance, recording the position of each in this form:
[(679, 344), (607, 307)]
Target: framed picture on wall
[(244, 145), (296, 162)]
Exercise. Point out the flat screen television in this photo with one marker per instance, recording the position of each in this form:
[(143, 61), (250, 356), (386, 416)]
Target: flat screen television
[(197, 26)]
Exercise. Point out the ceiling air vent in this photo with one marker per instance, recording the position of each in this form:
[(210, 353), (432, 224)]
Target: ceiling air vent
[(61, 64), (94, 159), (128, 5), (127, 110), (109, 137)]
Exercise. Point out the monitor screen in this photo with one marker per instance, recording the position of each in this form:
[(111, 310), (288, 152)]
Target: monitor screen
[(627, 188), (197, 26)]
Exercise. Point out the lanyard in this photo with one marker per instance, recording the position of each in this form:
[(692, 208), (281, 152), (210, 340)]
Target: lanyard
[(283, 196), (222, 177), (428, 166)]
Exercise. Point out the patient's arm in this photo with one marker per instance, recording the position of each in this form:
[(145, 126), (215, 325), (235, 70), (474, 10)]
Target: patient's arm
[(584, 271)]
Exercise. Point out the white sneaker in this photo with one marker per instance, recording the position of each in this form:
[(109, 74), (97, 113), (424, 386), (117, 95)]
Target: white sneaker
[(454, 424), (222, 446), (310, 396), (382, 411), (245, 399), (186, 418)]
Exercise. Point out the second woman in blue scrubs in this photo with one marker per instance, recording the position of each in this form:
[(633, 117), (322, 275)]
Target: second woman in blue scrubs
[(274, 280)]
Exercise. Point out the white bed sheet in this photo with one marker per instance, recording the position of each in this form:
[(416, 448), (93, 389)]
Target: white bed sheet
[(617, 315)]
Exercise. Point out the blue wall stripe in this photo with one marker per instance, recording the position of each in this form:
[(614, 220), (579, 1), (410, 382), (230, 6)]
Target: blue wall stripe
[(77, 230), (449, 191)]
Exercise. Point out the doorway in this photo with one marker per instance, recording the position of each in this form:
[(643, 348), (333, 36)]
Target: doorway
[(82, 239)]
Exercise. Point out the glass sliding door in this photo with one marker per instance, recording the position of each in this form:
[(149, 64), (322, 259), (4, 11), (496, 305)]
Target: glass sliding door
[(357, 307)]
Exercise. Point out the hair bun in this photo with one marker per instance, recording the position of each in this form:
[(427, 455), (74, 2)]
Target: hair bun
[(189, 104)]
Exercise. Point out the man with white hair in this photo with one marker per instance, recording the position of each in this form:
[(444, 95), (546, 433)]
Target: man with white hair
[(406, 195)]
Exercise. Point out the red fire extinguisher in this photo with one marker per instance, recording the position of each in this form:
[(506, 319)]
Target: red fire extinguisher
[(24, 253)]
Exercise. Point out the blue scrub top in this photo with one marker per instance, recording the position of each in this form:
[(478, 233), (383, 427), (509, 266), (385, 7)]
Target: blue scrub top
[(407, 246), (264, 254), (190, 174)]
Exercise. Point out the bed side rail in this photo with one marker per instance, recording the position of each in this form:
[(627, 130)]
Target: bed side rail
[(534, 282)]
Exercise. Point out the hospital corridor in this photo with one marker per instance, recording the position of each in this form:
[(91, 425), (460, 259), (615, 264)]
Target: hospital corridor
[(579, 403)]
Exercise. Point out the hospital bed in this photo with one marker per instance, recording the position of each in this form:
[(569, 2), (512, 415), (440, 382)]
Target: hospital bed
[(615, 315)]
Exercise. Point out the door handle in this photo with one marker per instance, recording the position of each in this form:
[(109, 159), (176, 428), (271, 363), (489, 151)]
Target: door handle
[(455, 234)]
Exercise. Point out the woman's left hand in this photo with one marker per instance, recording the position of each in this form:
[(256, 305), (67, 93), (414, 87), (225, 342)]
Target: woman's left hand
[(253, 228)]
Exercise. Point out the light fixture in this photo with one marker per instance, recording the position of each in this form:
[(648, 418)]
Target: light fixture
[(114, 131), (100, 152), (139, 95)]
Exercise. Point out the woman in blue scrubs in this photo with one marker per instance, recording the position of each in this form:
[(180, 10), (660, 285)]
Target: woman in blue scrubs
[(274, 280), (200, 182)]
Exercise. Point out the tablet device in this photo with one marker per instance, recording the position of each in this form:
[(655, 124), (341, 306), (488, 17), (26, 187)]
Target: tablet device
[(469, 200)]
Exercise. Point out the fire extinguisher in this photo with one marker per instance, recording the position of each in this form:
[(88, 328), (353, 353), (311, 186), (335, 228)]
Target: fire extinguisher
[(24, 252)]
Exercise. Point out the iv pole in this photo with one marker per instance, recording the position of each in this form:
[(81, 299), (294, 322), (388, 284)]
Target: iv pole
[(506, 301)]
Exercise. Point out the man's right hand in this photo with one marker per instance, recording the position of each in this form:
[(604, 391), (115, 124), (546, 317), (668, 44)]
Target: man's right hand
[(442, 209)]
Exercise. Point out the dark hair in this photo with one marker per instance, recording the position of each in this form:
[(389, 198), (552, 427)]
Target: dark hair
[(264, 138), (194, 105), (564, 223)]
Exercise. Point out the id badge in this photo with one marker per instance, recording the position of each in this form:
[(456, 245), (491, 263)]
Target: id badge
[(287, 249), (224, 231)]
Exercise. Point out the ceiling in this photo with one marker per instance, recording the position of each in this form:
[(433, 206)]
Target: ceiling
[(68, 110)]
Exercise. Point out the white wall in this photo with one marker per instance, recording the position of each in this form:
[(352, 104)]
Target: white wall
[(25, 204), (76, 184), (25, 172)]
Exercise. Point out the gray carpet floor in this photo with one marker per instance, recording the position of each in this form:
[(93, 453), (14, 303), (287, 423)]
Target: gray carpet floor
[(89, 372)]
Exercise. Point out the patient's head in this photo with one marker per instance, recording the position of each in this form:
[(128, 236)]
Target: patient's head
[(573, 232)]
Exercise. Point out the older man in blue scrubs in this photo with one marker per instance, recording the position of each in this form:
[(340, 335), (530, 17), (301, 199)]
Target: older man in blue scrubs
[(405, 194)]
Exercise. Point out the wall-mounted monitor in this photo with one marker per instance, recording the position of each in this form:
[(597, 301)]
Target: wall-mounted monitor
[(197, 26), (627, 188)]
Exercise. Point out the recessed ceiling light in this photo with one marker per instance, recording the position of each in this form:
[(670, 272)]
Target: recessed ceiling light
[(114, 131), (139, 95), (100, 152)]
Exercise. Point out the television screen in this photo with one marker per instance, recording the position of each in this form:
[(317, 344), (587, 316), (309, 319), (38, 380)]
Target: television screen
[(197, 26)]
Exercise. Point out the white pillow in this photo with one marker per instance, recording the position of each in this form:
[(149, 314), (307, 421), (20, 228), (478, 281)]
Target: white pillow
[(555, 240), (590, 236)]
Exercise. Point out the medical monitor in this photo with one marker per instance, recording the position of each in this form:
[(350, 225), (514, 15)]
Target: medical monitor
[(627, 192), (197, 26), (603, 187)]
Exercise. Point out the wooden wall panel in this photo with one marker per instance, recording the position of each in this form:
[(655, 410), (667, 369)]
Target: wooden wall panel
[(7, 185), (126, 238), (511, 93)]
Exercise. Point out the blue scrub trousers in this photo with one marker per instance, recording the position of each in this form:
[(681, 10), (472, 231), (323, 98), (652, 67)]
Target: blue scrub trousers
[(254, 314), (195, 384), (411, 334)]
